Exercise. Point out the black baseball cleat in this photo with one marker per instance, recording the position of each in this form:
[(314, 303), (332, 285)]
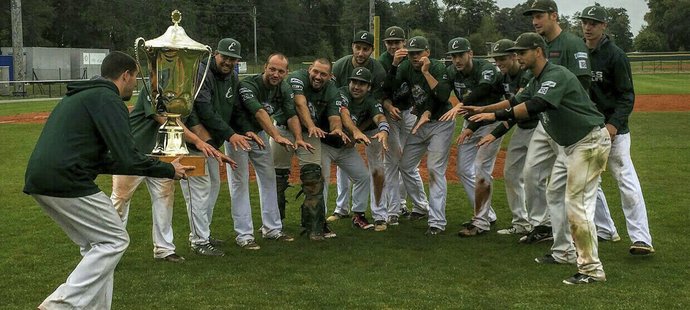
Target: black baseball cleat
[(416, 216), (537, 235), (641, 248), (580, 278)]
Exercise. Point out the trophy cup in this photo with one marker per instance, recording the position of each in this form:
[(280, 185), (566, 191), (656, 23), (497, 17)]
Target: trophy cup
[(173, 62)]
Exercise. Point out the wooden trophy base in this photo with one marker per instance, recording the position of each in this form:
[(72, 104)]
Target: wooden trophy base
[(199, 162)]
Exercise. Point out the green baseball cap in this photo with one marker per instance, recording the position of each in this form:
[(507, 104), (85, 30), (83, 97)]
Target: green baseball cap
[(364, 36), (541, 6), (528, 40), (361, 74), (500, 48), (230, 47), (458, 45), (417, 44), (596, 13), (394, 33)]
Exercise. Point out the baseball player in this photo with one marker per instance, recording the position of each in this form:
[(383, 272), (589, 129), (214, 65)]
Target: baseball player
[(362, 47), (428, 85), (399, 115), (315, 97), (571, 119), (213, 109), (568, 50), (262, 96), (145, 123), (514, 79), (612, 91), (363, 118), (475, 82), (87, 134)]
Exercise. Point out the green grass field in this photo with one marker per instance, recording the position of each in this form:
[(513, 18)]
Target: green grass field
[(399, 268)]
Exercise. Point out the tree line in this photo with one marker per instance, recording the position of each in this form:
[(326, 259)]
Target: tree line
[(308, 28)]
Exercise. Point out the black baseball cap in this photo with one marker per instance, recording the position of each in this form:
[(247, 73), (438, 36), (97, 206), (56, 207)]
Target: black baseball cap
[(458, 45), (541, 6), (595, 13), (417, 44), (500, 48), (364, 36), (528, 40), (230, 47), (394, 33), (361, 74)]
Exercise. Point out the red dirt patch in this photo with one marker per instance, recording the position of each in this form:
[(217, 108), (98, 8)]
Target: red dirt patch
[(643, 103)]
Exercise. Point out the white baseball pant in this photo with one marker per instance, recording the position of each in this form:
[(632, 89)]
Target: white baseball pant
[(433, 138), (162, 193), (238, 183)]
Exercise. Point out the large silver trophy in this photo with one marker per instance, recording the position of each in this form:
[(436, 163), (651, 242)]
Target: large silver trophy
[(173, 62)]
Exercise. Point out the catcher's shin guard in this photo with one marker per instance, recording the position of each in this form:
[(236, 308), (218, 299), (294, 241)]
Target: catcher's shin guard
[(282, 176), (313, 212)]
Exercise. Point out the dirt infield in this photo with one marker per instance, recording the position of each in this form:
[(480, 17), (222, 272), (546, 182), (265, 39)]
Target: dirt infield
[(643, 103)]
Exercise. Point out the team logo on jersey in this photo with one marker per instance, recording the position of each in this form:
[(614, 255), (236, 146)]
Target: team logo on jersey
[(296, 84), (488, 74), (545, 86), (597, 76), (379, 107), (581, 55), (268, 107), (228, 94), (246, 93), (554, 54)]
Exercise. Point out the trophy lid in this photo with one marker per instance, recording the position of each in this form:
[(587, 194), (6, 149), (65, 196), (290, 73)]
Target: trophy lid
[(175, 37)]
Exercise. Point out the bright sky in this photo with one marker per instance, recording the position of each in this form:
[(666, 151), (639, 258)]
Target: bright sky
[(636, 8)]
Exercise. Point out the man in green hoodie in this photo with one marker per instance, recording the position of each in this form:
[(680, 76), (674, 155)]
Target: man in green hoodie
[(87, 134)]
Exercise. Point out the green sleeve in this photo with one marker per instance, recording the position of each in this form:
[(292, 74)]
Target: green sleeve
[(526, 93), (625, 93), (249, 94), (112, 122), (442, 90), (288, 104), (335, 100), (339, 71), (379, 76), (297, 84), (552, 88)]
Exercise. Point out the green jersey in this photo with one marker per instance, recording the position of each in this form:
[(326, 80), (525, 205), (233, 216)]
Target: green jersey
[(511, 85), (571, 115), (342, 70), (612, 85), (141, 120), (569, 51), (215, 104), (363, 112), (400, 102), (87, 134), (255, 95), (483, 73), (322, 103), (410, 82)]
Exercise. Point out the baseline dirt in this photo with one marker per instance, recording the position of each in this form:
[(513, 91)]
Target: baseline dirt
[(643, 103)]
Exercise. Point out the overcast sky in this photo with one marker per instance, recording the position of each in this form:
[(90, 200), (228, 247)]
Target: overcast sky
[(636, 8)]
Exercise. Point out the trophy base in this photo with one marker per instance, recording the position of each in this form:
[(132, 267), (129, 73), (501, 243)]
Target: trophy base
[(199, 162)]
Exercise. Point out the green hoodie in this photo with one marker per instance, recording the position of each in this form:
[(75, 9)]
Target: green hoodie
[(87, 134)]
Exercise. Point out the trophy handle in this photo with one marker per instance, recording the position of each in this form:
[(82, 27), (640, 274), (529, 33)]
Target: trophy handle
[(136, 57), (203, 78)]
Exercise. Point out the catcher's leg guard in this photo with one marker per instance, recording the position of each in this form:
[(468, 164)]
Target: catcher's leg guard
[(282, 176), (313, 206)]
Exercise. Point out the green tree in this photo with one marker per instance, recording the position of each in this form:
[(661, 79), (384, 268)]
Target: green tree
[(485, 35), (669, 18), (511, 23), (649, 40)]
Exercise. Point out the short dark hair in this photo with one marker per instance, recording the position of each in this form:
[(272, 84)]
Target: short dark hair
[(115, 63), (325, 61), (279, 55)]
